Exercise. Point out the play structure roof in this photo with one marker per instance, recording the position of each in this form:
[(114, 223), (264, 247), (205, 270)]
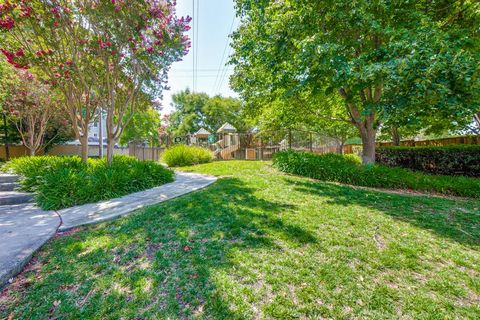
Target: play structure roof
[(201, 132), (227, 127)]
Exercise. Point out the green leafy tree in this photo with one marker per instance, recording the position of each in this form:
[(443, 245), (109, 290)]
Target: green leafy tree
[(382, 59), (197, 110), (35, 110), (303, 112), (144, 126), (96, 52), (8, 131)]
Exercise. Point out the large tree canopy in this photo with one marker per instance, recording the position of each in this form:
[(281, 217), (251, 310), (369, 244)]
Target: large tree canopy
[(384, 59), (193, 111), (96, 52), (144, 127)]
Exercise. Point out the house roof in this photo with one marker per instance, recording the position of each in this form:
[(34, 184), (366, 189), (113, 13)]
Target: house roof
[(227, 127), (201, 132)]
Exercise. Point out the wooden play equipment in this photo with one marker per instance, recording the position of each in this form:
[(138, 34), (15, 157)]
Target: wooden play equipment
[(200, 137), (229, 143)]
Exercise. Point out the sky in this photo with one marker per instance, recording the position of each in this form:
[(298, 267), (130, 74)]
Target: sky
[(215, 21)]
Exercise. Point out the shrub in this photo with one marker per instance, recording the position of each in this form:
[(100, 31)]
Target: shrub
[(181, 155), (337, 168), (446, 160), (61, 182)]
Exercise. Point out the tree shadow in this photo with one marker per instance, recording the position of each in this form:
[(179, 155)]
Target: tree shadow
[(164, 262), (431, 213)]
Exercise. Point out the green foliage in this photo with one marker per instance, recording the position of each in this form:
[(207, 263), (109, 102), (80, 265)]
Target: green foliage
[(404, 63), (143, 126), (196, 110), (317, 250), (446, 160), (61, 182), (181, 155), (337, 168)]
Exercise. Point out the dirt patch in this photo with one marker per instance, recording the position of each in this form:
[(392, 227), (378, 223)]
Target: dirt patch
[(12, 293)]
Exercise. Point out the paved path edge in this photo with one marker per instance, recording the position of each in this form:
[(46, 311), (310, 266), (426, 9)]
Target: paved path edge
[(19, 264)]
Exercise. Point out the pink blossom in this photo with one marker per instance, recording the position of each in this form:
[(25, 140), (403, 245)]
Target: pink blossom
[(7, 23)]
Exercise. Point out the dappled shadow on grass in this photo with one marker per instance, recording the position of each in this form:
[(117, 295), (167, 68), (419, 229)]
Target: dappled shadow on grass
[(455, 223), (160, 263)]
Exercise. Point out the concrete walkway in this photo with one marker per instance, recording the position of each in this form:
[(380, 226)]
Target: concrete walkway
[(25, 228)]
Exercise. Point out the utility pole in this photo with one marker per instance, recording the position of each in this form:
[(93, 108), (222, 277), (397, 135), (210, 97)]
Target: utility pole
[(100, 134)]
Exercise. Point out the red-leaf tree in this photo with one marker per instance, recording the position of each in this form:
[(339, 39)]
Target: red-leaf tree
[(98, 53), (33, 107)]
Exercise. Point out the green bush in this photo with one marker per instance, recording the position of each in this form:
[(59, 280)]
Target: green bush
[(181, 155), (61, 182), (337, 168), (447, 160)]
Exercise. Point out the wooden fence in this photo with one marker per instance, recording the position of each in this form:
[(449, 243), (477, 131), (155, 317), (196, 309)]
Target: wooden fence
[(145, 153), (266, 152), (141, 153)]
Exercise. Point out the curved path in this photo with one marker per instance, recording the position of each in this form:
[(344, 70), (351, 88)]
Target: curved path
[(25, 228)]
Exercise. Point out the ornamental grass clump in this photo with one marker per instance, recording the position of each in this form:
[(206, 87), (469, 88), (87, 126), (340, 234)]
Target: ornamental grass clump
[(183, 155)]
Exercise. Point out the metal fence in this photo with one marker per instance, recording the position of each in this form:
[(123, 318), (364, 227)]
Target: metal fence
[(260, 145)]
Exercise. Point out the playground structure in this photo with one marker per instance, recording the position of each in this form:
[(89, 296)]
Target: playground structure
[(228, 144)]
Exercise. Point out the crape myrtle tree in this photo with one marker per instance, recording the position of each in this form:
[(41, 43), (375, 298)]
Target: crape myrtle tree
[(8, 131), (381, 58), (34, 109), (138, 41), (96, 52)]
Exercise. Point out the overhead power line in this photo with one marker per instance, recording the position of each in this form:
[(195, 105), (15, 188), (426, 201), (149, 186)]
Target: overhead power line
[(202, 70), (223, 56), (224, 74)]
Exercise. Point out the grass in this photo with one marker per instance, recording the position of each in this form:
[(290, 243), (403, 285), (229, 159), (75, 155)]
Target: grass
[(262, 244), (349, 170)]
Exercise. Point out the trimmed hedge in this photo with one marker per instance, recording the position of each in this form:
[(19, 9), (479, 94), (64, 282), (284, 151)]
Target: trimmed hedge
[(348, 170), (446, 160), (61, 182), (182, 155)]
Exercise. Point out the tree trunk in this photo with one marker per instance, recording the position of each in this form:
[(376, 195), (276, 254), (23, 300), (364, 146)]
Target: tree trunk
[(395, 136), (368, 142), (340, 148), (5, 132), (110, 146), (84, 144), (32, 152)]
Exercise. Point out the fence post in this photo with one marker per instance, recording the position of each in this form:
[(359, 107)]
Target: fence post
[(261, 149), (289, 139), (311, 142)]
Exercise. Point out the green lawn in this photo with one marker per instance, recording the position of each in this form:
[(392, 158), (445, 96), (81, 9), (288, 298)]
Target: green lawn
[(262, 244)]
